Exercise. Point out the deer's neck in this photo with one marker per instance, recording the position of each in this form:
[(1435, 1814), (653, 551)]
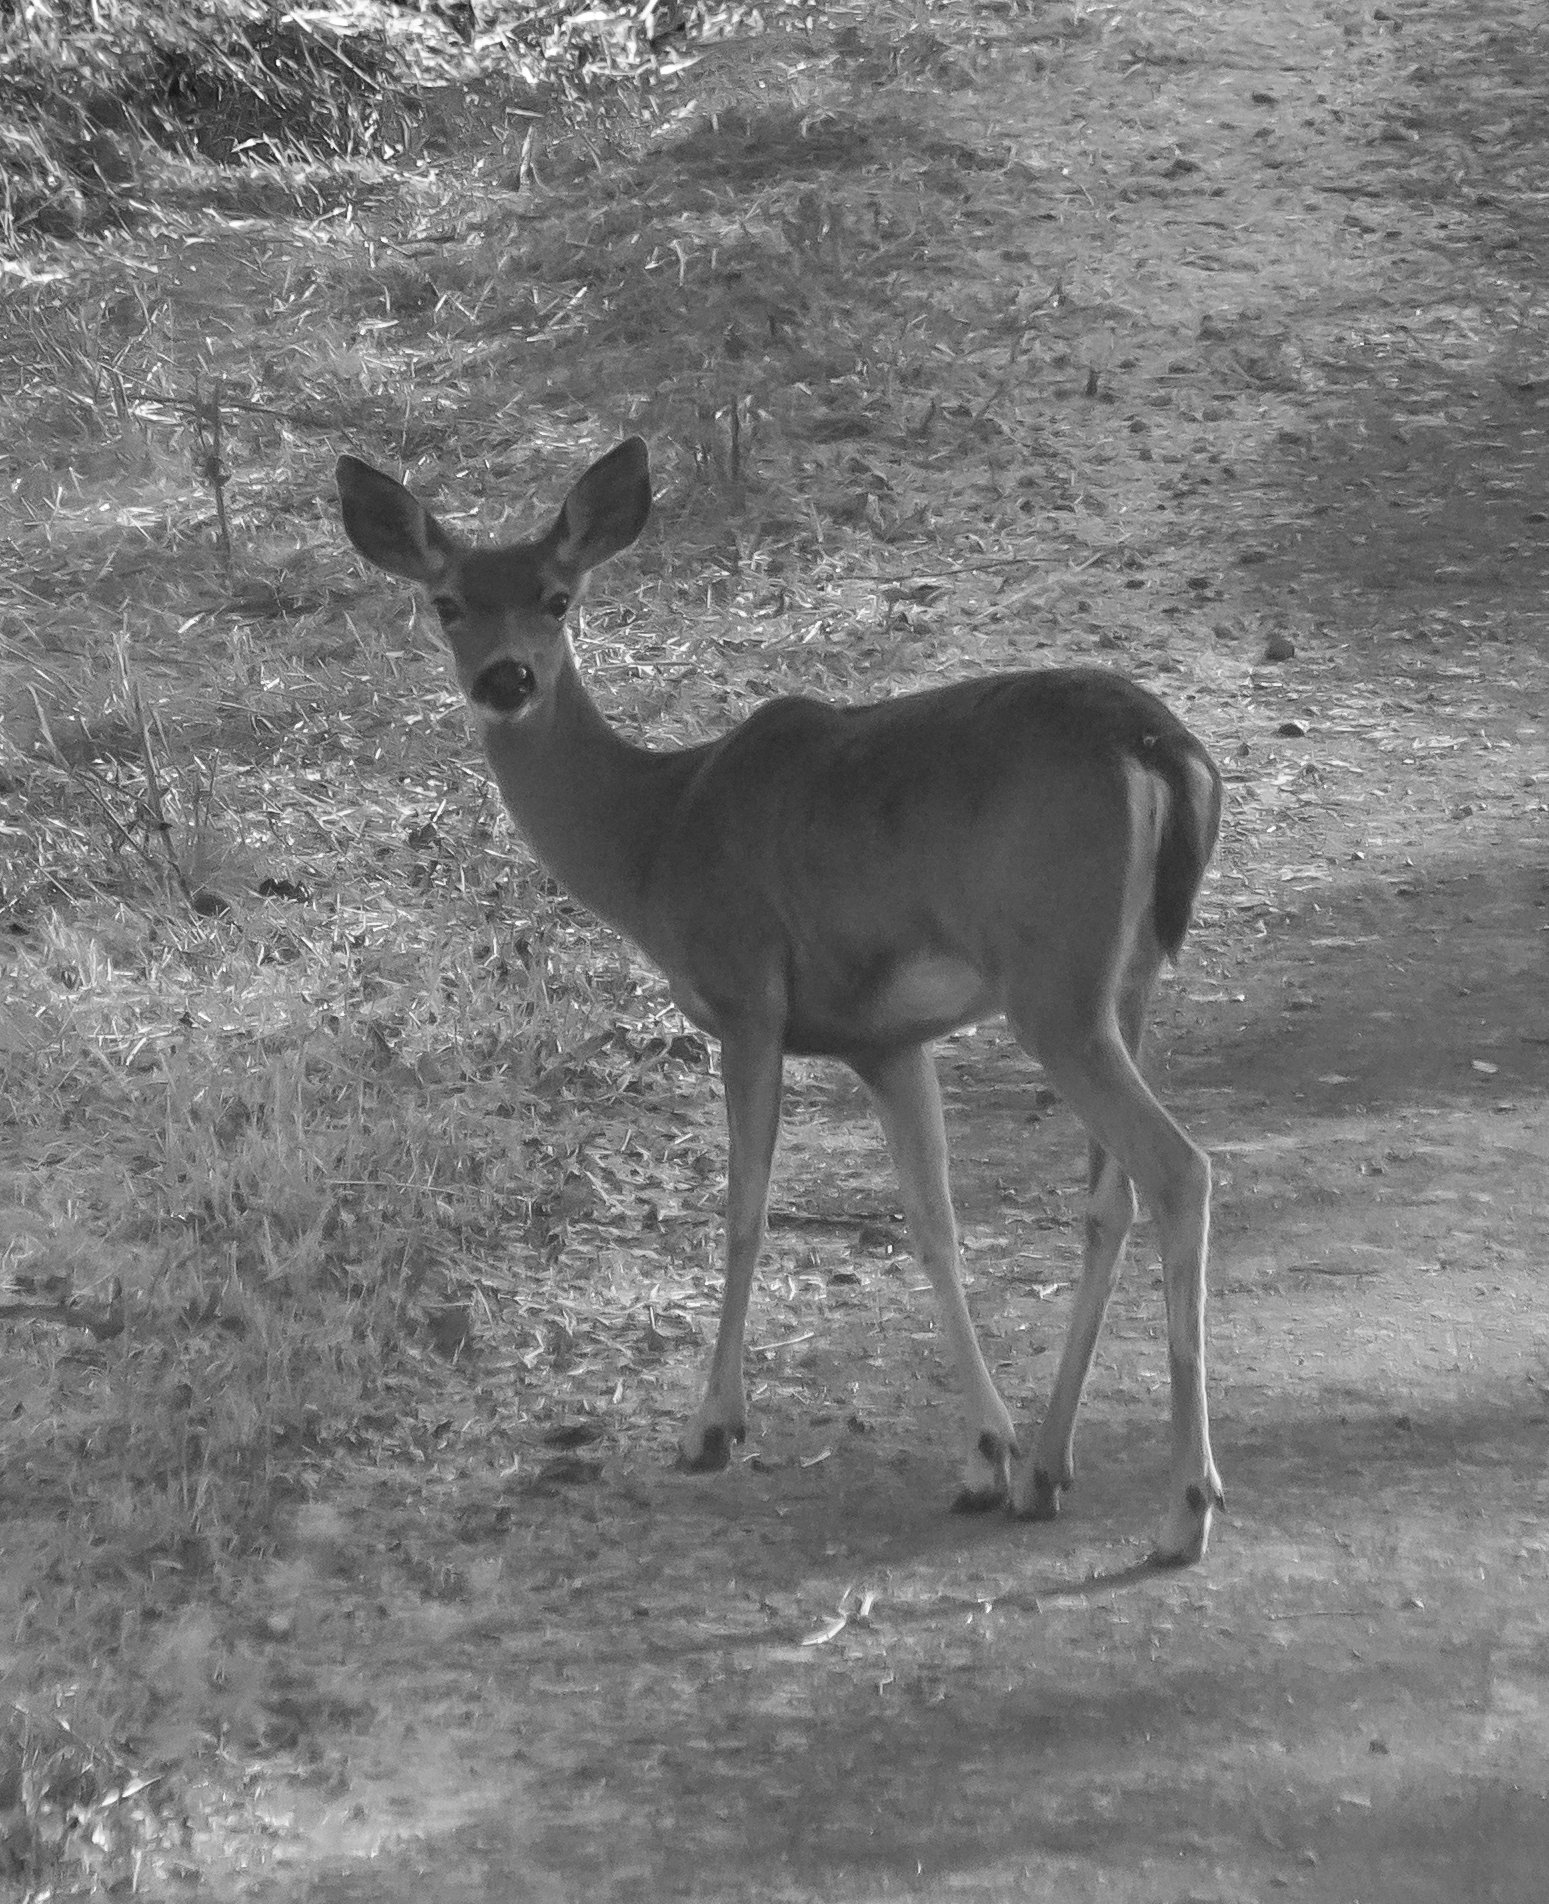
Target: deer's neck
[(591, 804)]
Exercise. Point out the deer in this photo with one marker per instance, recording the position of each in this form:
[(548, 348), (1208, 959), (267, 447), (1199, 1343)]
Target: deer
[(854, 883)]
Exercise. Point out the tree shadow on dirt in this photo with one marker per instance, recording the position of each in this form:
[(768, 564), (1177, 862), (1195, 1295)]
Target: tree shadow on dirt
[(1427, 498), (1034, 1781), (1297, 1466), (1395, 987)]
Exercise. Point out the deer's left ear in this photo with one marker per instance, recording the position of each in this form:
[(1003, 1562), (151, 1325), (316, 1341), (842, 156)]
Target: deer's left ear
[(390, 527), (607, 509)]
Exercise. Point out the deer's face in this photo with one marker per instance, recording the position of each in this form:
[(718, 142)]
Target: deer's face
[(502, 611), (502, 614)]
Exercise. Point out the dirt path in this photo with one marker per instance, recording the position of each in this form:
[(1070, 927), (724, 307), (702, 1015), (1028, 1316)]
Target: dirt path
[(1297, 251)]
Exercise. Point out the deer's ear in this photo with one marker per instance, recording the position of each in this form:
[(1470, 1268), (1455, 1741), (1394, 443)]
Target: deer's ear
[(391, 528), (607, 509)]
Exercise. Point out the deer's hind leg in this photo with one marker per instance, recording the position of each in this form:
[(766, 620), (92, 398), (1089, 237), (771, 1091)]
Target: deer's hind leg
[(1110, 1213), (1134, 1142), (907, 1095), (1051, 1466)]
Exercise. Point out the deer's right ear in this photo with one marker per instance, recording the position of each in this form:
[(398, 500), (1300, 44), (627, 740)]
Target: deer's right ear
[(391, 528)]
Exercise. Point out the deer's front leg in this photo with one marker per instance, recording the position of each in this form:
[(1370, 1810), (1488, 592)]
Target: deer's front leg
[(751, 1070), (904, 1087)]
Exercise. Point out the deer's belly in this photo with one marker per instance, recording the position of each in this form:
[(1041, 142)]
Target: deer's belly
[(917, 999), (931, 990)]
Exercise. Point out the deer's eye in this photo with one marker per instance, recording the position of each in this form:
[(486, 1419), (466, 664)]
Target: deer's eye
[(447, 607), (557, 605)]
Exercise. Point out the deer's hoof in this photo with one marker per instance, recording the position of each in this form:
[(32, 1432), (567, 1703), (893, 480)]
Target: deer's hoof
[(1186, 1533), (987, 1473), (708, 1449), (1039, 1500), (978, 1500)]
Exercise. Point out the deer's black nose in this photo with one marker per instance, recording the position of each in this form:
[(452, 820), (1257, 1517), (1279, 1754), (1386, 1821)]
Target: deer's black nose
[(504, 685)]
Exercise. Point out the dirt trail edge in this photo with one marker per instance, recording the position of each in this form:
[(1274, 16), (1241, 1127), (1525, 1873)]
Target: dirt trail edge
[(1247, 303)]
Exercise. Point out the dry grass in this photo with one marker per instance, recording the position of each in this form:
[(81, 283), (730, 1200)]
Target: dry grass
[(306, 1078), (97, 94)]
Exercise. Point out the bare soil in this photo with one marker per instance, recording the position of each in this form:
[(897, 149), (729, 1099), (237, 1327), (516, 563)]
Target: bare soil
[(1279, 276)]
